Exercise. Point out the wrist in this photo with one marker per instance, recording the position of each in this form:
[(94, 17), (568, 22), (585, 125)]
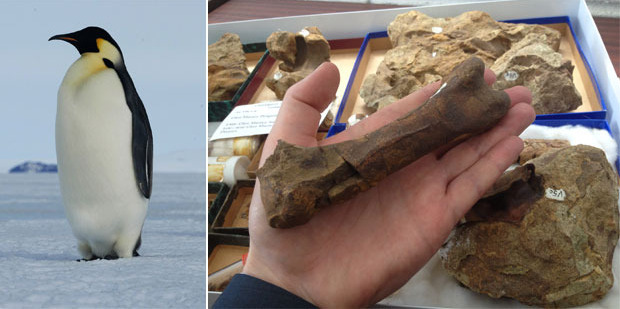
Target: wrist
[(270, 273)]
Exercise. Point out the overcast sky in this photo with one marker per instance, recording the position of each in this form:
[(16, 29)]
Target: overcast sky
[(163, 43)]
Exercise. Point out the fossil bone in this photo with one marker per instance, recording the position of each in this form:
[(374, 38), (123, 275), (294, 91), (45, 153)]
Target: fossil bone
[(297, 181)]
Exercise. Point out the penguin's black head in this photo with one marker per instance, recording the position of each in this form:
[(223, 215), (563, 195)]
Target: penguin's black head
[(97, 41), (85, 40)]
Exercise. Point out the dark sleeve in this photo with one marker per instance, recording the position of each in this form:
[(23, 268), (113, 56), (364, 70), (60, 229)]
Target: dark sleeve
[(245, 291)]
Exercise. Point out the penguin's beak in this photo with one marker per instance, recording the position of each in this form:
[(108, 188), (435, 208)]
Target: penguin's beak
[(64, 37)]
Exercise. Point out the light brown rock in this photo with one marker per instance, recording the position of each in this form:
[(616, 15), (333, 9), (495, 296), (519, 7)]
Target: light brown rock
[(282, 45), (533, 64), (474, 29), (533, 148), (227, 68), (545, 235), (300, 54), (424, 49)]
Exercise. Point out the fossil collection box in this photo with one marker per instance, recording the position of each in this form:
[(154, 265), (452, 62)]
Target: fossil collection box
[(377, 44), (226, 254), (603, 94), (228, 232), (232, 217)]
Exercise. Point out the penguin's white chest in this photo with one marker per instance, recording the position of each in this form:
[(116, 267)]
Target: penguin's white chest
[(95, 166)]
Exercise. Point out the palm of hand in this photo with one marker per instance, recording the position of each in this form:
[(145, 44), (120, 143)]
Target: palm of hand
[(358, 252)]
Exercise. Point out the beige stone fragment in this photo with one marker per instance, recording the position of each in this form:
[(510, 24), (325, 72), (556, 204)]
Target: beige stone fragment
[(547, 238), (533, 148), (300, 54), (533, 64), (227, 68)]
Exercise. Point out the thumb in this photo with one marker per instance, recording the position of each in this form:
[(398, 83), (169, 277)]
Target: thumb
[(299, 116)]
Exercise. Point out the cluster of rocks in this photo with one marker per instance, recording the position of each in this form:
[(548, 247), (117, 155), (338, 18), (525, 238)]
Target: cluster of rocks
[(425, 49), (227, 68), (545, 234), (299, 54)]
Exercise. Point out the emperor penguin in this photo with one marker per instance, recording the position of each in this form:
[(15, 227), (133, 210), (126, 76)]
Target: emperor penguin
[(104, 148)]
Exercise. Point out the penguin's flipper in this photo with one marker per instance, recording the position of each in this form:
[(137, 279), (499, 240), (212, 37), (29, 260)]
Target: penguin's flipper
[(142, 137), (142, 149)]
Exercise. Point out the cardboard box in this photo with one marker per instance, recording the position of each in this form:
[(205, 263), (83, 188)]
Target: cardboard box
[(234, 213), (217, 195), (376, 44), (253, 167), (226, 251)]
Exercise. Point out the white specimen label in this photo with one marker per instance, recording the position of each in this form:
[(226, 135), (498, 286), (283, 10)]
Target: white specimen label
[(434, 54), (511, 75), (437, 29), (555, 194), (253, 119), (304, 32)]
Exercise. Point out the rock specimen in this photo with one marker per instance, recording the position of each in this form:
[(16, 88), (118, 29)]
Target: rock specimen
[(474, 31), (300, 54), (533, 148), (296, 181), (227, 69), (533, 64), (544, 234), (424, 49)]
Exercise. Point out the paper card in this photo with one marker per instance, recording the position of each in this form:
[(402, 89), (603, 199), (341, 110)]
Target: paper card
[(252, 119), (248, 120)]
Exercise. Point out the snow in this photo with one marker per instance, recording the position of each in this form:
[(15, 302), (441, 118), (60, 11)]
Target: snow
[(38, 252)]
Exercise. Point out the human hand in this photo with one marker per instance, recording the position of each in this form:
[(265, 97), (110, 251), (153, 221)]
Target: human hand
[(358, 252)]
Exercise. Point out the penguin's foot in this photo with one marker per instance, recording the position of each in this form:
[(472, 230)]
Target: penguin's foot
[(111, 257), (87, 260), (94, 257)]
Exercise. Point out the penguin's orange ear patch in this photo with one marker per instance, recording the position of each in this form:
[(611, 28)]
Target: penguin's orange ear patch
[(107, 50), (99, 42)]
